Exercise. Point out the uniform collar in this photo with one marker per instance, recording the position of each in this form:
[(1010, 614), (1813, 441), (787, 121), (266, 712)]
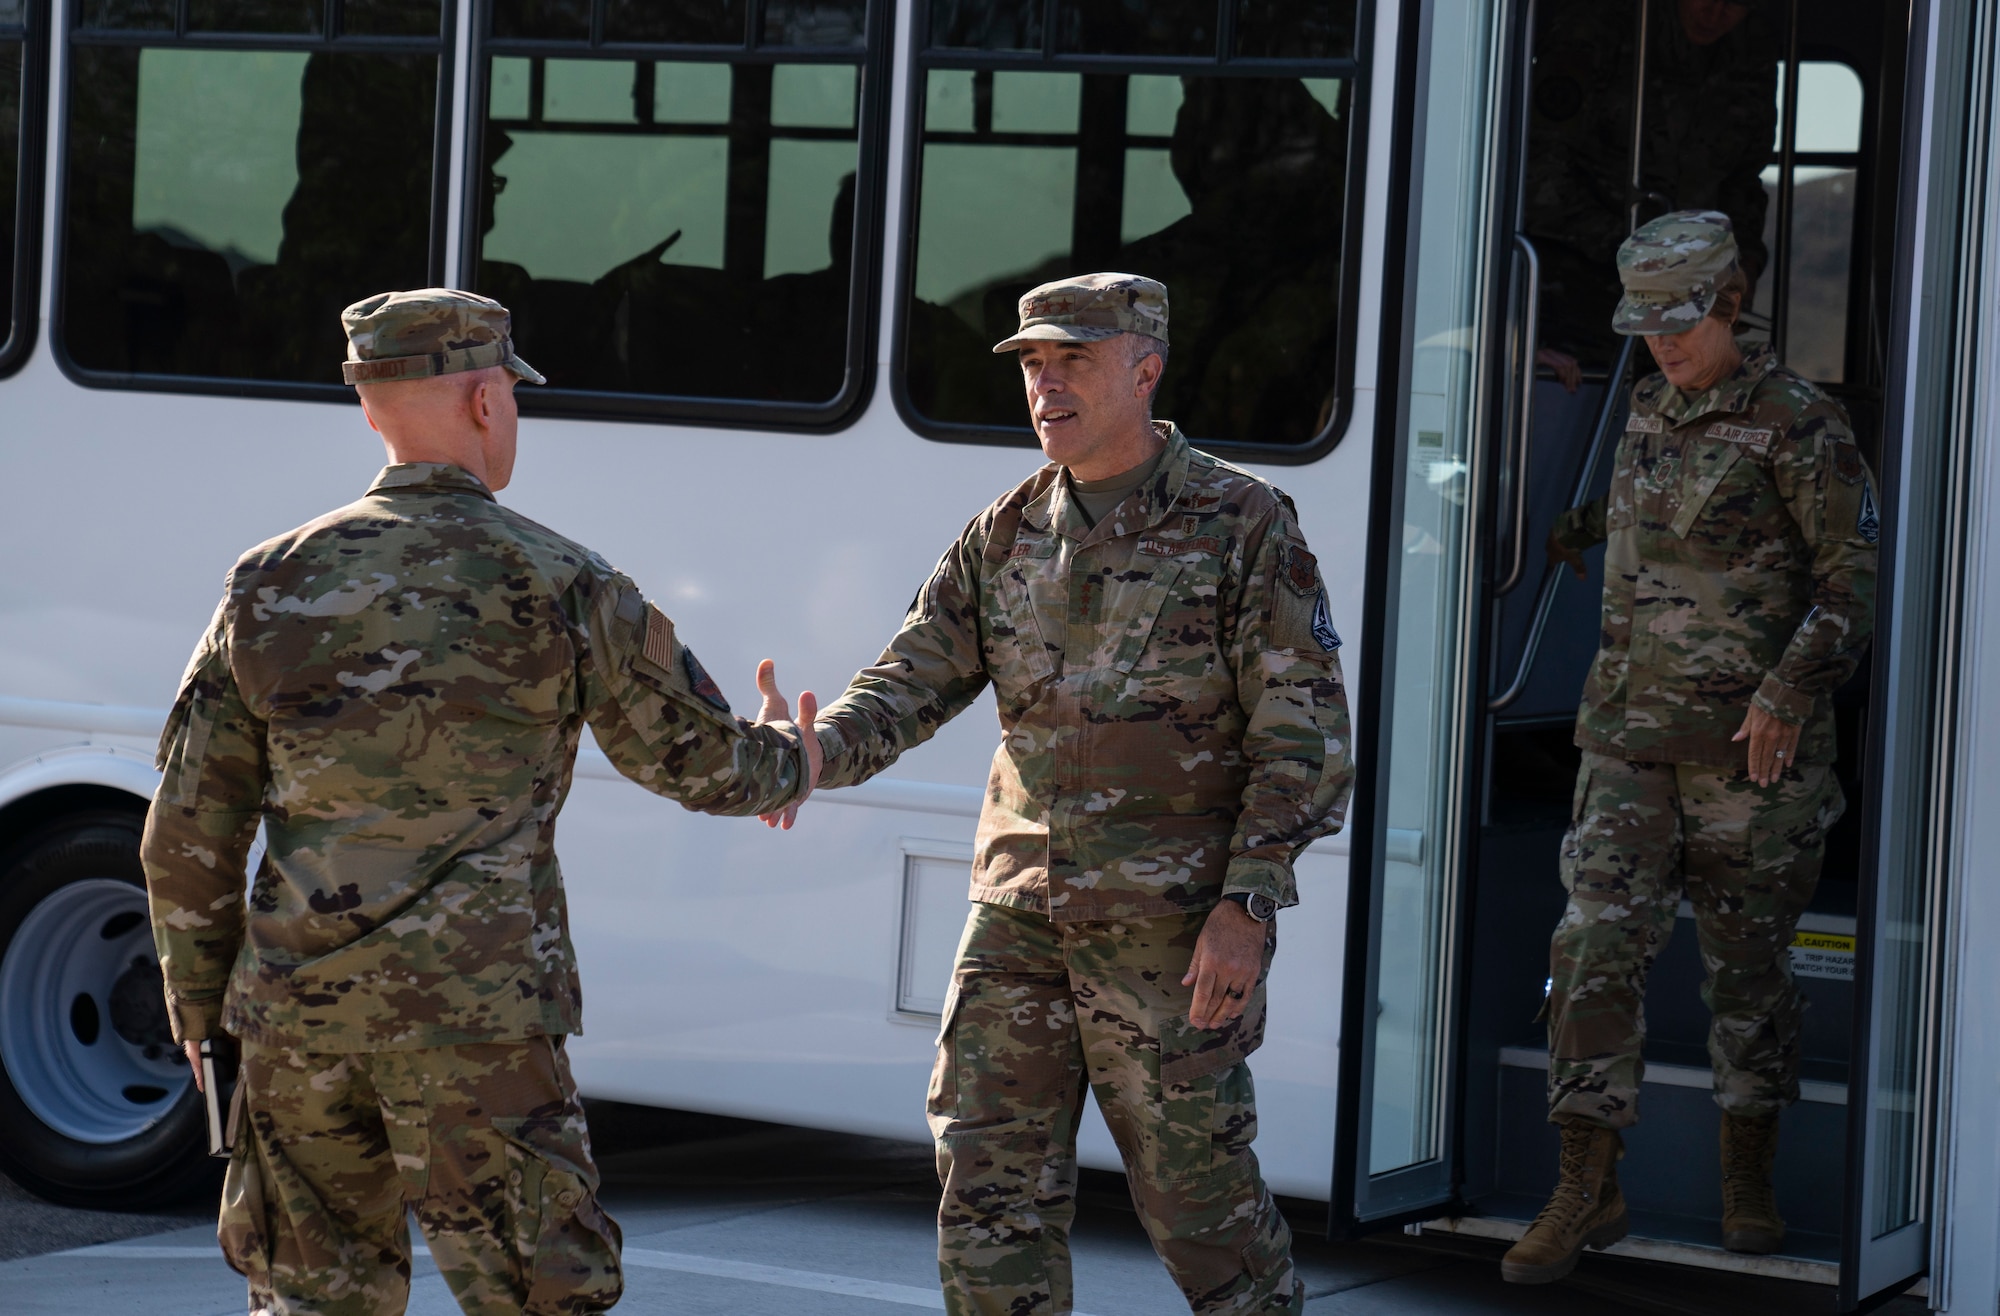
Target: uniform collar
[(430, 477), (1143, 508), (1727, 397)]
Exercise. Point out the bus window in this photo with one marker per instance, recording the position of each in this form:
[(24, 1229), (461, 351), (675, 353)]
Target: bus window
[(225, 202), (13, 204), (1826, 164), (1222, 173), (675, 229)]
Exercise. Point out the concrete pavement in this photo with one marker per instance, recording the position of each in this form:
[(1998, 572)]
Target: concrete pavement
[(729, 1218)]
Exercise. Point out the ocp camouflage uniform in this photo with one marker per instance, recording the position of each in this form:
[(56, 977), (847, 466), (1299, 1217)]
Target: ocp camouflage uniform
[(396, 692), (1740, 570), (1173, 728)]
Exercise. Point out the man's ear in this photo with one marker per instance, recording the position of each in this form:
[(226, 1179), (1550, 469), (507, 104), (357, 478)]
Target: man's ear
[(1150, 369), (479, 403)]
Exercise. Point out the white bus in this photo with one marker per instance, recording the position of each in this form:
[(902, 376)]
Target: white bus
[(760, 247)]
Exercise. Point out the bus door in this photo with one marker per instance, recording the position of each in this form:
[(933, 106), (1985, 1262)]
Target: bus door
[(1540, 134)]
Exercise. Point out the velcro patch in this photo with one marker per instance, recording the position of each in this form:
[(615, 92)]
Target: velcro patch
[(1647, 424), (659, 642), (1759, 439), (701, 682), (1847, 463), (1020, 549), (1868, 522), (1329, 638), (1298, 568), (1199, 502), (1175, 547)]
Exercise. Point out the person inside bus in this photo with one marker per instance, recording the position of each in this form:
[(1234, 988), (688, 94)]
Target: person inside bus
[(1174, 733), (1710, 115), (1739, 585), (394, 692)]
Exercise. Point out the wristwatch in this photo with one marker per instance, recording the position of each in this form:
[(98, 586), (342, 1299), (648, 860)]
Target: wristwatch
[(1256, 905)]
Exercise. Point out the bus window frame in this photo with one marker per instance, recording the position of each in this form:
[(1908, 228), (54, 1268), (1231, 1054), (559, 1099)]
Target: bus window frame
[(18, 344), (1354, 69), (870, 172), (76, 34)]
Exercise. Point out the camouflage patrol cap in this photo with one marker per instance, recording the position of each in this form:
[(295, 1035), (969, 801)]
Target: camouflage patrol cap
[(425, 333), (1671, 268), (1091, 307)]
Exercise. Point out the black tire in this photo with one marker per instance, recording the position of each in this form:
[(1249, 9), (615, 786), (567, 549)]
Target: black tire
[(168, 1160)]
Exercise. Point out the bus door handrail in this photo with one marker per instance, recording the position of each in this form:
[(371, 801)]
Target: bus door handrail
[(1524, 421), (1545, 600)]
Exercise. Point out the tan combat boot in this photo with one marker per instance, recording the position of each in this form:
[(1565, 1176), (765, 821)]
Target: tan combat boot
[(1586, 1210), (1750, 1220)]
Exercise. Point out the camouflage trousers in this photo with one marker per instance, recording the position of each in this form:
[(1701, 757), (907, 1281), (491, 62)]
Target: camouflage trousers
[(1036, 1010), (485, 1143), (1748, 858)]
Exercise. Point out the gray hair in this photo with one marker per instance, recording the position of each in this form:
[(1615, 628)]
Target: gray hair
[(1137, 348)]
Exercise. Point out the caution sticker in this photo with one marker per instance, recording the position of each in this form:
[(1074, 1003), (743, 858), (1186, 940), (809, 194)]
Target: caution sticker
[(1823, 955)]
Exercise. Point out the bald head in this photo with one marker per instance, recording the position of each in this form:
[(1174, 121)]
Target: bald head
[(466, 419)]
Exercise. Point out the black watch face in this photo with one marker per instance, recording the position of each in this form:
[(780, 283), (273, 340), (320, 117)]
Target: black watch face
[(1263, 908)]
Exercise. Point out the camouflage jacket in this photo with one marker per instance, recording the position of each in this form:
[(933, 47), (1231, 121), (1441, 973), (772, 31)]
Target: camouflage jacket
[(1173, 723), (1740, 567), (396, 692)]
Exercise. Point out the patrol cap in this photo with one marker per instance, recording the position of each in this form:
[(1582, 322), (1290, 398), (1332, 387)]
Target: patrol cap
[(1091, 307), (1671, 268), (429, 332)]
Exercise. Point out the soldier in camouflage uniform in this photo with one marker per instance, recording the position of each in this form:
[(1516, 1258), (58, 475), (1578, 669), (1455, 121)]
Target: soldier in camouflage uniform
[(1173, 732), (1739, 587), (395, 692)]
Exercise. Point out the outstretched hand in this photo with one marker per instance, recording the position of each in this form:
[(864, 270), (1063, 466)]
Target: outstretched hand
[(776, 709)]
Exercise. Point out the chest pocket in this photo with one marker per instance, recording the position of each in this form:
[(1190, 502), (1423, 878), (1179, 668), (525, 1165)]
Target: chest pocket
[(1142, 609), (1019, 647), (1708, 464)]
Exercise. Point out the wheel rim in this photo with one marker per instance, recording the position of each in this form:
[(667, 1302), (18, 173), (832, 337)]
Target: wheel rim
[(83, 1027)]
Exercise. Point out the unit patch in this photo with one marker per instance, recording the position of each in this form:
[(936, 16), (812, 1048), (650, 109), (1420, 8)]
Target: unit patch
[(1847, 463), (1329, 638), (1759, 439), (1647, 424), (1298, 568), (1868, 522), (701, 682)]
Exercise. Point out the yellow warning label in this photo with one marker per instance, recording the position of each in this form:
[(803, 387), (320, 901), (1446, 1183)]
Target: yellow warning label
[(1830, 941), (1823, 955)]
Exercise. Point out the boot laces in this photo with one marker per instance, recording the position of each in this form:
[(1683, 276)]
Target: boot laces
[(1571, 1198), (1746, 1178)]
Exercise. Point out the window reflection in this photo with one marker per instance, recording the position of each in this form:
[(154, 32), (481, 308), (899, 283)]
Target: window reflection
[(10, 173), (211, 224), (1229, 190), (671, 227)]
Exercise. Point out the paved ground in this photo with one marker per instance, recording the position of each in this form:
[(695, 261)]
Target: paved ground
[(730, 1218)]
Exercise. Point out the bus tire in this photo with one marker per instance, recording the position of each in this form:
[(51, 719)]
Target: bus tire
[(97, 1105)]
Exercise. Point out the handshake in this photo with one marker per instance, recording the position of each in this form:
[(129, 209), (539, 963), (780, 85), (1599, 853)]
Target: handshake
[(775, 708)]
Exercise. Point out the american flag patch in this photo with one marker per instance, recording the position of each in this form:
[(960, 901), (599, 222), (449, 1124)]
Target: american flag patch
[(659, 645)]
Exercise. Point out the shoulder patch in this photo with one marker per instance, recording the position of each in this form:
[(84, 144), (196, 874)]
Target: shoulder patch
[(1868, 521), (1329, 638), (1847, 463), (1298, 568), (1759, 439), (701, 682), (658, 643), (1646, 424)]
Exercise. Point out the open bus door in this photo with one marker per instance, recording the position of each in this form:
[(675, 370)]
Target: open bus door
[(1502, 397)]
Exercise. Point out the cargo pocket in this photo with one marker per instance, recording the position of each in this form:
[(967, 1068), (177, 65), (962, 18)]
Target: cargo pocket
[(564, 1246), (1204, 1097), (244, 1226), (941, 1101)]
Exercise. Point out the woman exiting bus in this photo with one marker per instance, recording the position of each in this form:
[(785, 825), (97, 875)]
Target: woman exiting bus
[(1739, 585)]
